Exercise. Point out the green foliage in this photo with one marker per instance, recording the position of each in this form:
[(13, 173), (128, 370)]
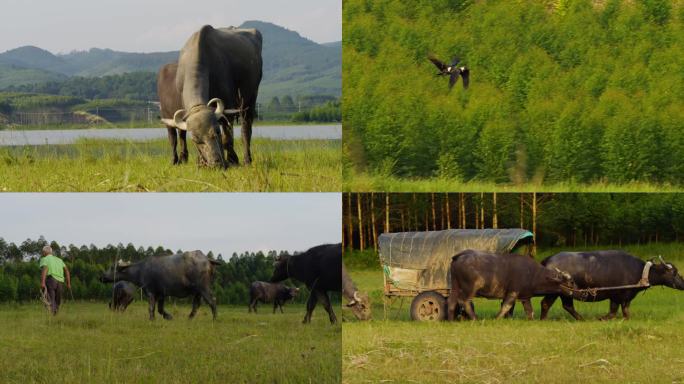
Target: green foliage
[(582, 91), (134, 86), (329, 112), (20, 278)]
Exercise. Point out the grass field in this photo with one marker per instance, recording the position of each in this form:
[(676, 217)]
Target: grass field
[(647, 348), (86, 343), (378, 183), (128, 166)]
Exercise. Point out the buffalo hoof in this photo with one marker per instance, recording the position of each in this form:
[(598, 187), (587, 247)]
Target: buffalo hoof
[(168, 316)]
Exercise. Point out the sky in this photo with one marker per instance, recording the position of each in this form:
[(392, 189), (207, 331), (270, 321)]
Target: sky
[(220, 222), (153, 25)]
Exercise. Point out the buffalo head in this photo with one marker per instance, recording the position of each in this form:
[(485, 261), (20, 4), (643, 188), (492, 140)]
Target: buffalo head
[(666, 274), (280, 268), (564, 280), (115, 273), (360, 306), (204, 124), (292, 292)]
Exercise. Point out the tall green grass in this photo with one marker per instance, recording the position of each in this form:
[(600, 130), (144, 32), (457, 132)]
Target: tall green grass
[(363, 182), (127, 166), (86, 343), (647, 348)]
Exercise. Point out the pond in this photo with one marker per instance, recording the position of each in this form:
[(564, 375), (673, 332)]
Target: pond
[(69, 136)]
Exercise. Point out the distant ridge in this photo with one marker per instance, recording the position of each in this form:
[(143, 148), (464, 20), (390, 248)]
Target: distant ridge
[(293, 65)]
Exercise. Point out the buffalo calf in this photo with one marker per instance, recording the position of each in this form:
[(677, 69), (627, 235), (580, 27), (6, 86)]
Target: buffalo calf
[(274, 293)]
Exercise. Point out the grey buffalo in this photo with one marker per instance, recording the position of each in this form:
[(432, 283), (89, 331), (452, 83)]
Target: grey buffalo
[(509, 277), (180, 275), (596, 269), (358, 301), (278, 294), (217, 69), (123, 293), (170, 101), (320, 268)]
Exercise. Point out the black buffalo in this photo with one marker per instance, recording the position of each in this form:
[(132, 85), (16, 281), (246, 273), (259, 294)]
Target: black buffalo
[(123, 293), (358, 301), (274, 293), (170, 101), (597, 269), (509, 277), (320, 268), (180, 275), (218, 68)]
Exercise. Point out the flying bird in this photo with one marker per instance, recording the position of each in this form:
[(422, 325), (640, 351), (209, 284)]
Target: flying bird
[(452, 70)]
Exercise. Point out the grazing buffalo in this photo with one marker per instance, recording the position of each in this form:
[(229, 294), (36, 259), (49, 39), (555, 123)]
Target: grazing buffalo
[(170, 101), (123, 293), (320, 268), (596, 269), (509, 277), (180, 275), (358, 301), (218, 68)]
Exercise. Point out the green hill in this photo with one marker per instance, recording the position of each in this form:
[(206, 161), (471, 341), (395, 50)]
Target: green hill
[(293, 65), (560, 90)]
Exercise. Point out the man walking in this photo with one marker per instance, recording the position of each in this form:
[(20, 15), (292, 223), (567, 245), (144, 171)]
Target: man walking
[(52, 277)]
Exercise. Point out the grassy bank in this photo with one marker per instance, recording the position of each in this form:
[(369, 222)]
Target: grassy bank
[(647, 348), (127, 166), (379, 183), (88, 343)]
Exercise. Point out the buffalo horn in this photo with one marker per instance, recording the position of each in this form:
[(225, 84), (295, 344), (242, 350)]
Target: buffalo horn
[(660, 257), (220, 107), (356, 296), (178, 120)]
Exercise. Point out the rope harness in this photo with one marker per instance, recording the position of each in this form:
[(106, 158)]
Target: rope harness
[(593, 292)]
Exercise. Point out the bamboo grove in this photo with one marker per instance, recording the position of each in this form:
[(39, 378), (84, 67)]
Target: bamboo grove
[(556, 219)]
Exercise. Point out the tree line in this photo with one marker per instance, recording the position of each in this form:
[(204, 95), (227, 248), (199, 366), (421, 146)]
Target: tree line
[(583, 91), (560, 219), (20, 274)]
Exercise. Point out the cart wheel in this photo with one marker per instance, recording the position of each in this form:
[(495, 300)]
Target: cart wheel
[(428, 306)]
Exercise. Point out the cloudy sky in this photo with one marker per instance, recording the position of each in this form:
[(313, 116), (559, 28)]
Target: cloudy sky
[(153, 25), (222, 222)]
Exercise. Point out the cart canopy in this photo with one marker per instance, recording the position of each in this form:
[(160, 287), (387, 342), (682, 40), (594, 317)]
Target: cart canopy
[(420, 261)]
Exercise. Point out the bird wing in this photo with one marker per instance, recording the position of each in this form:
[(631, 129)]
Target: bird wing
[(437, 62), (465, 74), (454, 77)]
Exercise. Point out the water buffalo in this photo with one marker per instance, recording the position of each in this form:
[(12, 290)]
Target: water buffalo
[(123, 293), (320, 268), (358, 301), (169, 102), (180, 275), (218, 68), (595, 269), (509, 277), (265, 292)]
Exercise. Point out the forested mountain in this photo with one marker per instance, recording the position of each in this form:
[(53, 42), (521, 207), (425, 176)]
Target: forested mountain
[(293, 66), (559, 90)]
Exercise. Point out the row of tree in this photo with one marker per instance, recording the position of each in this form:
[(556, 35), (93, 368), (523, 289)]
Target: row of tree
[(20, 274), (559, 91), (133, 85), (564, 219)]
